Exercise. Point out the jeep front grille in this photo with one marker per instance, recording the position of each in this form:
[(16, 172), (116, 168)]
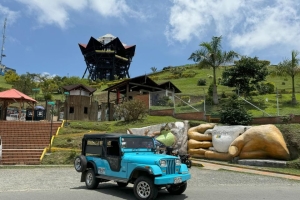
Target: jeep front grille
[(170, 167)]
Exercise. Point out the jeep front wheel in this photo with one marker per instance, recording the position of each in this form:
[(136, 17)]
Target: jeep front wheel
[(91, 181), (177, 189), (144, 188)]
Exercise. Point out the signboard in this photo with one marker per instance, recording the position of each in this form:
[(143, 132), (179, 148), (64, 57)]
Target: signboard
[(52, 103)]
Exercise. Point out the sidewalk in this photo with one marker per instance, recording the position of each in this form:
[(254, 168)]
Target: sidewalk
[(216, 166)]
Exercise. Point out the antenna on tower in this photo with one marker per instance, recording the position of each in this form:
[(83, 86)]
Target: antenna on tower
[(3, 40)]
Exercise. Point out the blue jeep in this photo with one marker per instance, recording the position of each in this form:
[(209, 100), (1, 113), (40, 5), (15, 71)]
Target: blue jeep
[(130, 159)]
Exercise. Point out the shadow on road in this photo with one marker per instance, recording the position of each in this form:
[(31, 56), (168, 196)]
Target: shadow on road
[(127, 192)]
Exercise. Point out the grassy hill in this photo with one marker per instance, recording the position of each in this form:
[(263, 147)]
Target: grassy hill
[(3, 84), (269, 103)]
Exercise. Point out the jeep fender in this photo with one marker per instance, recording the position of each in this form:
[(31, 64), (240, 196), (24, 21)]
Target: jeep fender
[(183, 169), (151, 170), (89, 165)]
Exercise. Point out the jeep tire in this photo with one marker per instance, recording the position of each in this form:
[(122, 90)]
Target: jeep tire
[(144, 188), (177, 189), (188, 163), (80, 163), (91, 181)]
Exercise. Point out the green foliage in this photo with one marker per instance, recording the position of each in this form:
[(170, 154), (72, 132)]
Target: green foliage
[(48, 97), (201, 82), (289, 68), (26, 83), (184, 99), (153, 69), (245, 75), (132, 110), (162, 101), (211, 55), (233, 113), (177, 71), (210, 90), (266, 88), (11, 77), (72, 80), (189, 74), (287, 119)]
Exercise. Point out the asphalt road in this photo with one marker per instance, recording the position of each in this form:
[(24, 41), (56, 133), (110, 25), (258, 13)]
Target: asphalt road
[(63, 184)]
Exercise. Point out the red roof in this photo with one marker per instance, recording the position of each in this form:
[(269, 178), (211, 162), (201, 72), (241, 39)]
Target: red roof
[(15, 94)]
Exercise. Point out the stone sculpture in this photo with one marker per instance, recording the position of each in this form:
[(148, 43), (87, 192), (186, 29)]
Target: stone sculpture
[(227, 142)]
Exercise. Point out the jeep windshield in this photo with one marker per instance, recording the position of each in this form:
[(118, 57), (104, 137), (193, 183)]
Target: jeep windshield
[(137, 143)]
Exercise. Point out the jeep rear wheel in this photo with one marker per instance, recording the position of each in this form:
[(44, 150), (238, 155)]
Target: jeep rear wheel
[(91, 181), (177, 189), (80, 163), (144, 188)]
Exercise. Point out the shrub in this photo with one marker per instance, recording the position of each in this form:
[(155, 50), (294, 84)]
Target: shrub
[(283, 83), (223, 95), (253, 93), (233, 113), (132, 110), (210, 90), (170, 103), (266, 88), (201, 82)]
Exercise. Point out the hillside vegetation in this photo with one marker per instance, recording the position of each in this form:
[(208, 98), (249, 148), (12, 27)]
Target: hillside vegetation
[(270, 104)]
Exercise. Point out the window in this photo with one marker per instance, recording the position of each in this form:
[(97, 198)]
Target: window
[(71, 110), (85, 111)]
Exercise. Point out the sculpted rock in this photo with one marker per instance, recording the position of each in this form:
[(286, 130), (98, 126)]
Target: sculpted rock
[(194, 144), (196, 132), (223, 136), (258, 142), (217, 156)]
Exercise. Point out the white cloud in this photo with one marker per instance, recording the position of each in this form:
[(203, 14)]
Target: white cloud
[(53, 11), (111, 8), (9, 14), (57, 12), (246, 25)]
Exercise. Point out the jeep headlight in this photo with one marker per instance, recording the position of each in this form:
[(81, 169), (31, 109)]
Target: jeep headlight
[(178, 162), (163, 163)]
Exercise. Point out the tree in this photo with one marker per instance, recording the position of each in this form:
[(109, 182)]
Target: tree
[(234, 113), (131, 110), (211, 55), (11, 77), (153, 69), (25, 83), (245, 75), (74, 80), (289, 68)]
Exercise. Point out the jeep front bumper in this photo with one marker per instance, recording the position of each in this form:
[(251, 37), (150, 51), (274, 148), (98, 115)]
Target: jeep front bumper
[(171, 179)]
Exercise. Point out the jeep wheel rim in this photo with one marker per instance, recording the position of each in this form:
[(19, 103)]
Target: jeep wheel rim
[(143, 189), (77, 164), (89, 178)]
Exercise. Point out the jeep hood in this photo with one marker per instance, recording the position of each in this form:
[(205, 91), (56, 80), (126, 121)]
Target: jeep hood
[(145, 158)]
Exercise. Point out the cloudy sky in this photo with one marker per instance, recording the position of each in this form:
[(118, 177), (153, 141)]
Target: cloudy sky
[(43, 35)]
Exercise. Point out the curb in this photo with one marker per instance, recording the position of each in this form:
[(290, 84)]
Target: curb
[(241, 166)]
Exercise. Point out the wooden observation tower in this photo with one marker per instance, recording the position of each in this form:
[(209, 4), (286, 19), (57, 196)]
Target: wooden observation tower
[(107, 57)]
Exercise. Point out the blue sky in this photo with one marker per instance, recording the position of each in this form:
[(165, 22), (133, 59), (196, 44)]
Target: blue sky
[(42, 36)]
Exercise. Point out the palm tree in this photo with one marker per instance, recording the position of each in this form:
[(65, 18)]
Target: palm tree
[(211, 55), (290, 68)]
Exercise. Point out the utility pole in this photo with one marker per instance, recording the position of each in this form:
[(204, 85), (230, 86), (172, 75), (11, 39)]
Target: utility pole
[(3, 40)]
